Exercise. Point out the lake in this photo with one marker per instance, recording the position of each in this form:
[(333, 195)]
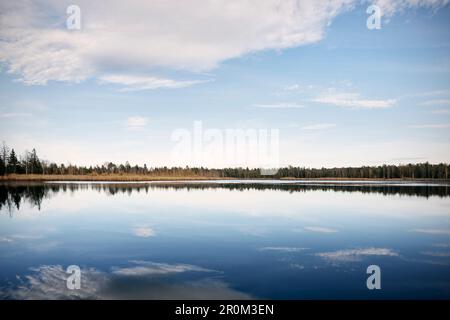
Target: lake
[(224, 240)]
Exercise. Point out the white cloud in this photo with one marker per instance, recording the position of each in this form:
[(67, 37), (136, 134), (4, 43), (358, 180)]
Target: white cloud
[(340, 94), (292, 87), (283, 249), (355, 254), (138, 83), (321, 229), (434, 231), (353, 100), (137, 122), (144, 232), (282, 105), (299, 87), (319, 126), (431, 126), (390, 7), (145, 36), (437, 102)]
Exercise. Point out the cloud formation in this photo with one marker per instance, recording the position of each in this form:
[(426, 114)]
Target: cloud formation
[(321, 229), (144, 37), (341, 94), (390, 7), (38, 48), (354, 100), (283, 249), (138, 83)]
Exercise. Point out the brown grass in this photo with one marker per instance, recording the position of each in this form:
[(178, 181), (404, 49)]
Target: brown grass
[(133, 177), (105, 177)]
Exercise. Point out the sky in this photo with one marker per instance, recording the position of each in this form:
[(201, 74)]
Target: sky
[(138, 75)]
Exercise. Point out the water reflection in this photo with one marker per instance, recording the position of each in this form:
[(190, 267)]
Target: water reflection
[(12, 194), (238, 240), (142, 280)]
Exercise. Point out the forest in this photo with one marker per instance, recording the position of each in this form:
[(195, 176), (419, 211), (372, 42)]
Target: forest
[(30, 164)]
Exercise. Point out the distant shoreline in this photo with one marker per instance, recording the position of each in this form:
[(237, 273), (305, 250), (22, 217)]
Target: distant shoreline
[(150, 178)]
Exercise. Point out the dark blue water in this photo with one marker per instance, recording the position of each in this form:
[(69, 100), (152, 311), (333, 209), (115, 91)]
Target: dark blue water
[(224, 241)]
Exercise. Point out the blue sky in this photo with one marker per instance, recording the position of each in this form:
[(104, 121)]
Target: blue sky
[(339, 93)]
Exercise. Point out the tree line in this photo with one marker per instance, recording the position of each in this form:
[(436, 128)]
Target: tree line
[(29, 163)]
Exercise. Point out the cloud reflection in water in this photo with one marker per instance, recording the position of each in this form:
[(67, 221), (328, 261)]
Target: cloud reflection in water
[(142, 280)]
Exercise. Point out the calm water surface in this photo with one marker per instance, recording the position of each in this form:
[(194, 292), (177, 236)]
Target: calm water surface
[(236, 240)]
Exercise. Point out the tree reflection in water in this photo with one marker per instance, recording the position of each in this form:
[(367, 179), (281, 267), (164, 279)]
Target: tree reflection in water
[(12, 195)]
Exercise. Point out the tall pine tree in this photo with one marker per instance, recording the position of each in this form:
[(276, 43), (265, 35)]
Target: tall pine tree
[(12, 162), (35, 163), (2, 166)]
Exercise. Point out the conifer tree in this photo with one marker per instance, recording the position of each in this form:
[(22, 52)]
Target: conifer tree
[(12, 162)]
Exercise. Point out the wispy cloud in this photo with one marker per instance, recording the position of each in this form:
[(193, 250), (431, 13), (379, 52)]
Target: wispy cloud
[(283, 249), (438, 102), (433, 231), (299, 87), (431, 126), (319, 126), (137, 122), (341, 94), (349, 255), (427, 94), (354, 101), (138, 83), (282, 105), (321, 229)]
